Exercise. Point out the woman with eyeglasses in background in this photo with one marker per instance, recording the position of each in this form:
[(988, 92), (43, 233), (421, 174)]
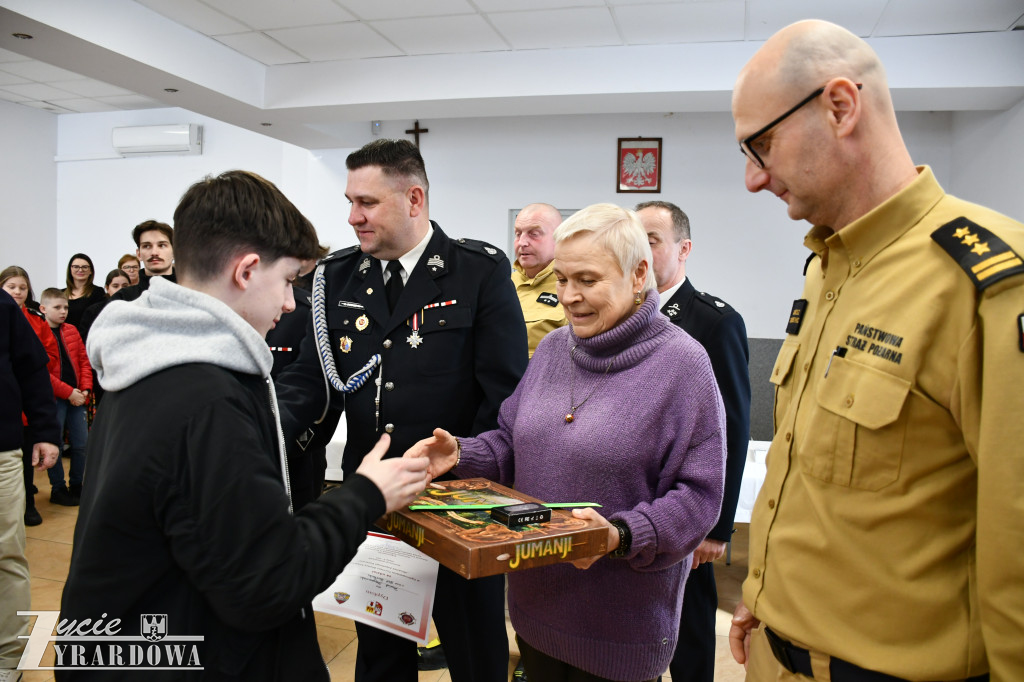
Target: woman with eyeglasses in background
[(130, 265), (80, 290)]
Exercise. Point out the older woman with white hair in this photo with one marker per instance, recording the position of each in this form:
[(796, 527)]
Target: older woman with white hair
[(620, 408)]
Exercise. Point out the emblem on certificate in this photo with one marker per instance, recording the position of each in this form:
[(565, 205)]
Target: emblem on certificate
[(345, 344), (362, 322)]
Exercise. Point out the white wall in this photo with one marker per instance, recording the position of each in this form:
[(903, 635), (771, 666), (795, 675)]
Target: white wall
[(988, 159), (747, 250), (102, 199), (28, 192)]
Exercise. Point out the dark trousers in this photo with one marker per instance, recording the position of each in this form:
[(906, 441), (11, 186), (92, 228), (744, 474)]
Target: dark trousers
[(540, 667), (694, 659), (470, 620)]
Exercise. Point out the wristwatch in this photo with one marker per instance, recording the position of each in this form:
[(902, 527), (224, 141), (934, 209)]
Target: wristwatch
[(625, 540)]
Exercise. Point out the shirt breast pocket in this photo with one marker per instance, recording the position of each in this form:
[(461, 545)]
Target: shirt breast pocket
[(342, 320), (448, 334), (780, 374), (857, 436)]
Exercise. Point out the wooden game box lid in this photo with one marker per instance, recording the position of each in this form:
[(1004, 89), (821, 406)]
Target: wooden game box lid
[(473, 545)]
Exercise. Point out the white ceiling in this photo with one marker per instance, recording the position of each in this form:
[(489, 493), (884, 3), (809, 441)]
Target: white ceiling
[(317, 70)]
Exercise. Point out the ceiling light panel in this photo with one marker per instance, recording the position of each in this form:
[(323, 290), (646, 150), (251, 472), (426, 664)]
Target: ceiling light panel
[(765, 17), (84, 105), (919, 17), (269, 14), (195, 15), (520, 5), (88, 87), (692, 22), (442, 35), (39, 71), (261, 48), (39, 91), (11, 79), (48, 107), (12, 97), (370, 10), (336, 41), (579, 27)]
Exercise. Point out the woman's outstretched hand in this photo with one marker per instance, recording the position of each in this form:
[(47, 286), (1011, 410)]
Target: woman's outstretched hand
[(441, 450)]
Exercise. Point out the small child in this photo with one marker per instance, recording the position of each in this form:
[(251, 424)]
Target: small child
[(72, 393)]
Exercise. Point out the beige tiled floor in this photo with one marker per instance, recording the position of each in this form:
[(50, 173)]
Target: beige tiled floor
[(49, 554)]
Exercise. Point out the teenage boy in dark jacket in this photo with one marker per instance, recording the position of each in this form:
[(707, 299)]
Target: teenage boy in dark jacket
[(193, 528)]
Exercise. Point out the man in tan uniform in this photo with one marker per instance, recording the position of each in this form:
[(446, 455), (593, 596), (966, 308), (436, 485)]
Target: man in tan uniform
[(532, 274), (887, 538)]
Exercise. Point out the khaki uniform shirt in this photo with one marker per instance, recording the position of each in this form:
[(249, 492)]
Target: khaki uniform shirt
[(541, 309), (890, 528)]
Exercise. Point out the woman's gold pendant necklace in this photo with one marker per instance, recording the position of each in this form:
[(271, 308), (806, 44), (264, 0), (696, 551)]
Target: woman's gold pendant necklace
[(573, 405)]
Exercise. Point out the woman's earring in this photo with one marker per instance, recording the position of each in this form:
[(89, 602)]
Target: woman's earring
[(638, 300)]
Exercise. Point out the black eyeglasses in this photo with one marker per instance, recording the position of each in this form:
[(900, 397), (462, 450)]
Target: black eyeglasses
[(747, 143), (80, 267)]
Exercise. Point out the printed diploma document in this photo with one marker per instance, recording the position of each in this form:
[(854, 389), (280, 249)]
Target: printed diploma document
[(388, 585)]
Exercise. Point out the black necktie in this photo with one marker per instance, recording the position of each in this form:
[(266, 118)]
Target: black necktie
[(394, 285)]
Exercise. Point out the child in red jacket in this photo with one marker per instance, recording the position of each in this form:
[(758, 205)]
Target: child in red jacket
[(72, 393)]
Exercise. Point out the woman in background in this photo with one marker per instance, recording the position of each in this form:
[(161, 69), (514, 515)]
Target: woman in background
[(81, 291), (621, 408), (14, 280), (130, 265)]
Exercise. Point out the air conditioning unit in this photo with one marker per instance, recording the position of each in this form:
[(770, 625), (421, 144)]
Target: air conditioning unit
[(184, 138)]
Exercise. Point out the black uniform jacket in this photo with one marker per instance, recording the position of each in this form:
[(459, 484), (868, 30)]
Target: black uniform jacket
[(466, 356), (184, 514), (286, 336), (721, 331)]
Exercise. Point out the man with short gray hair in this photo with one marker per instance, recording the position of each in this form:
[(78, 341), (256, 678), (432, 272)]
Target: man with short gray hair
[(532, 274)]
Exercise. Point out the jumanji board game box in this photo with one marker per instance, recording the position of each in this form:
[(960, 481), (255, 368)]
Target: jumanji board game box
[(474, 545)]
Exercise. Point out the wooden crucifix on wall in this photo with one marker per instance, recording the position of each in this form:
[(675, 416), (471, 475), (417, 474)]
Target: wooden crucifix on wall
[(416, 130)]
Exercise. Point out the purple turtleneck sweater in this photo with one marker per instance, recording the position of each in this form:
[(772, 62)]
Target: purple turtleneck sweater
[(649, 446)]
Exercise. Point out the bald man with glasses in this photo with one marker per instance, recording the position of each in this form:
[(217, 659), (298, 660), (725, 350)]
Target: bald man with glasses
[(885, 543)]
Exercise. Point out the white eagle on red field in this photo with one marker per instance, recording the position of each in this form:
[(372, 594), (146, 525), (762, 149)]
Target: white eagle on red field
[(638, 168)]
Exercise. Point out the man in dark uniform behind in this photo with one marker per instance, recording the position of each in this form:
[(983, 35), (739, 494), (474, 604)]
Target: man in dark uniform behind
[(307, 454), (721, 331), (412, 330)]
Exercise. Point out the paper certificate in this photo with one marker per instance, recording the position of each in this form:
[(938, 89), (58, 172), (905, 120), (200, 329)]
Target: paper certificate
[(388, 585)]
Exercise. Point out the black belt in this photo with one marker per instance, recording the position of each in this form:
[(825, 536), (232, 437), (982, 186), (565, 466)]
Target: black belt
[(797, 660)]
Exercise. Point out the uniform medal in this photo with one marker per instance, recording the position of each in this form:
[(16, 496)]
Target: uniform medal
[(345, 344), (362, 322), (415, 339)]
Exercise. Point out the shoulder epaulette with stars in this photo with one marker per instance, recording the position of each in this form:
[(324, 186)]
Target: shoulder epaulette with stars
[(340, 253), (983, 256), (480, 247)]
